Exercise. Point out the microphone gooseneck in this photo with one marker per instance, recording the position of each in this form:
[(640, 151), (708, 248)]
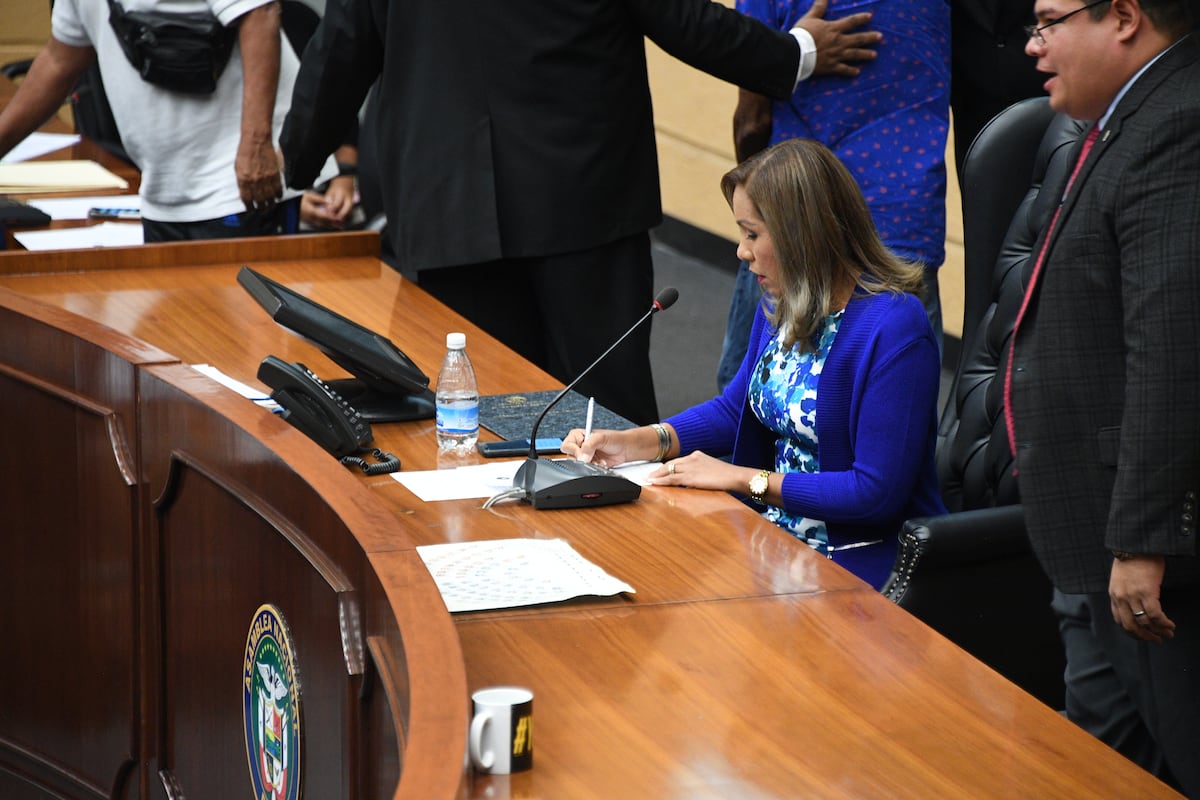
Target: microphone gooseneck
[(662, 301)]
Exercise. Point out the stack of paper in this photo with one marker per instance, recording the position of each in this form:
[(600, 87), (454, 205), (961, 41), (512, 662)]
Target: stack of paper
[(32, 177)]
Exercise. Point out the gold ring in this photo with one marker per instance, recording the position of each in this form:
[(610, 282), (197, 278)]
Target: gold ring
[(671, 468)]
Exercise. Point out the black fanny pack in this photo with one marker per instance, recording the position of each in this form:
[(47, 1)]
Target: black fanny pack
[(181, 52)]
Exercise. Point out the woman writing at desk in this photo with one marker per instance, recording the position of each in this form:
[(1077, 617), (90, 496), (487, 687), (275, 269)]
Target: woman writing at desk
[(831, 419)]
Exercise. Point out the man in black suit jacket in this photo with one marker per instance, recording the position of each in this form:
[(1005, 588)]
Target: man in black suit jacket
[(1104, 377), (988, 66), (517, 148)]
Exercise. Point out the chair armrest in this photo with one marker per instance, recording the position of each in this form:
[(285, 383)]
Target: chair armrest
[(966, 537), (980, 540), (972, 576)]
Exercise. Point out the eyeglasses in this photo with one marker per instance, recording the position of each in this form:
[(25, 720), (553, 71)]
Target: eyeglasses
[(1035, 32)]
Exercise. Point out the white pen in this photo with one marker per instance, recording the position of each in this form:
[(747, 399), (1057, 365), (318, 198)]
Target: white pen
[(587, 426)]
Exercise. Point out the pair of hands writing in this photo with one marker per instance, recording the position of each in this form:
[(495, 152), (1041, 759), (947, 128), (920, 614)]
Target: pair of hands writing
[(696, 470)]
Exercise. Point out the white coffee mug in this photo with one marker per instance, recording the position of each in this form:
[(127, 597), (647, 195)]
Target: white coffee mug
[(501, 736)]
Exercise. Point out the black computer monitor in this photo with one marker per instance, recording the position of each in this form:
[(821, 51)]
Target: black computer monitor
[(387, 386)]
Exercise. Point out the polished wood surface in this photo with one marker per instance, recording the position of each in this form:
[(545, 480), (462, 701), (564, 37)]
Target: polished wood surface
[(831, 695), (745, 665)]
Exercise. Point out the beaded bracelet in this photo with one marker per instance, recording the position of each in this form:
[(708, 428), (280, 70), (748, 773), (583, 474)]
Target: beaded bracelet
[(664, 440)]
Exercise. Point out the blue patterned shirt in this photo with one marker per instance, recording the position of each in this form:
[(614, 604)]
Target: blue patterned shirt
[(783, 395), (888, 125)]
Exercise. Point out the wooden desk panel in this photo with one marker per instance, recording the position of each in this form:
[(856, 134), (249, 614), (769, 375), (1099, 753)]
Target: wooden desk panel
[(68, 578), (244, 514), (123, 628)]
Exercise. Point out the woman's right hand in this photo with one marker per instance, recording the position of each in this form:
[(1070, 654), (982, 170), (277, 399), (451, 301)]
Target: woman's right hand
[(603, 447)]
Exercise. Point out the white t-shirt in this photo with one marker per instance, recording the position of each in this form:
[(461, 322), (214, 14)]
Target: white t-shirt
[(185, 145)]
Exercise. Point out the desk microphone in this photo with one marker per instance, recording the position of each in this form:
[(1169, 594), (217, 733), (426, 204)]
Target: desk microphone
[(567, 483)]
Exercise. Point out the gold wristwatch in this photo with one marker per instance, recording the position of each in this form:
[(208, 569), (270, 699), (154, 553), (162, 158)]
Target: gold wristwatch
[(758, 487)]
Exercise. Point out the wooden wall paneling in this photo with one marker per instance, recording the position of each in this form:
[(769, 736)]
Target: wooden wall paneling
[(68, 576), (247, 512), (418, 664)]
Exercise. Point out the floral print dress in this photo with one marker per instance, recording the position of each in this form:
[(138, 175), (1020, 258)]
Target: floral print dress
[(783, 395)]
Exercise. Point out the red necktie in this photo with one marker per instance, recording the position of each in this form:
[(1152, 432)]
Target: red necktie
[(1033, 279)]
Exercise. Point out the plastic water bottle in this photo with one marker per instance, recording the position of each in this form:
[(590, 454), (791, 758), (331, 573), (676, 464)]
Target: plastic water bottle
[(457, 398)]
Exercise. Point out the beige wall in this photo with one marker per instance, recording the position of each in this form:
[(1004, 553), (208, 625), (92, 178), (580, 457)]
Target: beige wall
[(25, 28), (693, 115)]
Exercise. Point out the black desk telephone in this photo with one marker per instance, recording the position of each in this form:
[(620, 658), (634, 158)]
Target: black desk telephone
[(321, 414)]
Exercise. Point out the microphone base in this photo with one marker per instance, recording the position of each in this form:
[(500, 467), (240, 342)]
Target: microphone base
[(548, 484)]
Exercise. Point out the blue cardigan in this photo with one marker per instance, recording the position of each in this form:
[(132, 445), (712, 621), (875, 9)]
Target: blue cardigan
[(876, 429)]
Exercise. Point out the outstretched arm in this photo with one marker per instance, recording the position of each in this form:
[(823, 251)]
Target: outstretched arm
[(54, 72)]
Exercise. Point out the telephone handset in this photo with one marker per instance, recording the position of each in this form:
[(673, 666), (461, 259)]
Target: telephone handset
[(321, 414)]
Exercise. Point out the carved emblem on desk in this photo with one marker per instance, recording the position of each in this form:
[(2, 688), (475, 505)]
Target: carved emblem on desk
[(271, 707)]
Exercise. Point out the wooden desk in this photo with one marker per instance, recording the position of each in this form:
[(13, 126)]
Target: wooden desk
[(148, 514), (84, 150), (744, 666)]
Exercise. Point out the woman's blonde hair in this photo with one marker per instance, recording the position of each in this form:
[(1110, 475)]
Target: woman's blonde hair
[(822, 233)]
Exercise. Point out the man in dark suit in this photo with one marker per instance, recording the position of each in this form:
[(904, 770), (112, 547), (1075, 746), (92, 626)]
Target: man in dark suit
[(517, 148), (989, 69), (1104, 376)]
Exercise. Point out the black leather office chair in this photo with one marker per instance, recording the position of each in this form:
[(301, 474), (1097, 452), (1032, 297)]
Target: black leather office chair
[(971, 574)]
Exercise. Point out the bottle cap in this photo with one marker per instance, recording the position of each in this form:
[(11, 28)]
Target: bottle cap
[(456, 341)]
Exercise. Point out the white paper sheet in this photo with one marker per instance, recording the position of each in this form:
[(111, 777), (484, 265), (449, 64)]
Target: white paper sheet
[(106, 234), (507, 573), (77, 207), (39, 144), (245, 390)]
